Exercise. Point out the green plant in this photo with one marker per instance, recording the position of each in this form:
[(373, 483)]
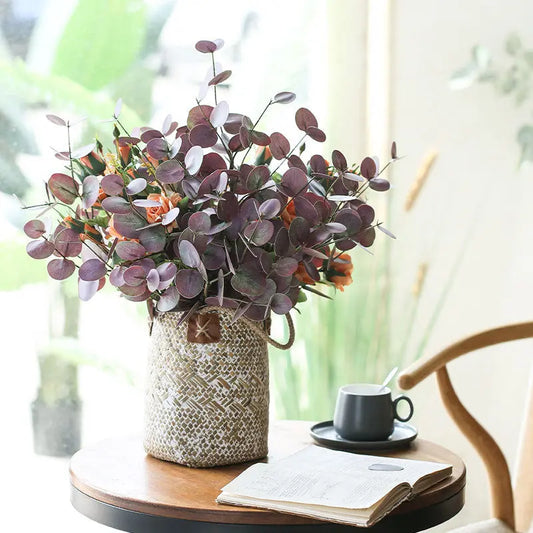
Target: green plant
[(511, 78)]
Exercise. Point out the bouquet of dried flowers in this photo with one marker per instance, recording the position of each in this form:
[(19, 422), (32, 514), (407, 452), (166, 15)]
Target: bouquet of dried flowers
[(181, 217)]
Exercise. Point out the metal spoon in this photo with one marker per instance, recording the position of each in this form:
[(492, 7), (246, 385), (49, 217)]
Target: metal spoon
[(390, 375)]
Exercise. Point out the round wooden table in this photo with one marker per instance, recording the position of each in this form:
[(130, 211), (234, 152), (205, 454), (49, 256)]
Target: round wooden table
[(117, 484)]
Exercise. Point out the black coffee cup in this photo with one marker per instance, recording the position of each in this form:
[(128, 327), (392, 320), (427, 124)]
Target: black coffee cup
[(366, 412)]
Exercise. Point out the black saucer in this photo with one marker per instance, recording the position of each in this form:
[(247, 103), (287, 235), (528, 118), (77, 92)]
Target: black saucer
[(325, 434)]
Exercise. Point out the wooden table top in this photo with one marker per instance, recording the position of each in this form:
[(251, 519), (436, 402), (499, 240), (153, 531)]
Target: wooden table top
[(118, 472)]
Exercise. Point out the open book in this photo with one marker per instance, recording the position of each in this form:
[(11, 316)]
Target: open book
[(333, 485)]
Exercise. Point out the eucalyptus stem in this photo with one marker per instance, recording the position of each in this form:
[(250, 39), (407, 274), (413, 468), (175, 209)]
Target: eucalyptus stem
[(253, 129), (214, 74)]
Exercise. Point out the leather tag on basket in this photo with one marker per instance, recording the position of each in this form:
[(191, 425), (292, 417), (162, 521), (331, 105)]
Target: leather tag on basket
[(203, 328)]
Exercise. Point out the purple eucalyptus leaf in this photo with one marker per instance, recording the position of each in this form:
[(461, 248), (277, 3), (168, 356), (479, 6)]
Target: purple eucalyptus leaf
[(199, 222), (299, 231), (260, 138), (368, 168), (394, 151), (193, 159), (136, 186), (175, 148), (367, 214), (217, 228), (87, 289), (281, 304), (169, 172), (282, 243), (249, 281), (112, 184), (314, 253), (284, 97), (279, 145), (90, 191), (60, 269), (204, 136), (169, 217), (294, 181), (214, 257), (270, 208), (316, 134), (350, 219), (148, 134), (245, 136), (63, 187), (152, 280), (220, 78), (220, 114), (335, 227), (386, 231), (219, 43), (206, 47), (353, 177), (169, 300), (259, 232), (34, 229), (295, 161), (286, 266), (40, 249), (82, 151), (379, 184), (134, 275), (222, 182), (153, 239), (228, 206), (318, 164), (167, 271), (128, 224), (339, 161), (54, 119), (116, 277), (257, 177), (143, 202), (130, 250), (188, 254), (167, 123), (67, 242), (305, 119), (366, 237), (118, 108), (220, 287), (190, 187), (199, 115), (189, 283), (341, 198), (92, 270), (116, 204), (157, 148), (304, 208)]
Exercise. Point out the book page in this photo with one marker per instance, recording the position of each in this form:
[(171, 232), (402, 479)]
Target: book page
[(319, 476)]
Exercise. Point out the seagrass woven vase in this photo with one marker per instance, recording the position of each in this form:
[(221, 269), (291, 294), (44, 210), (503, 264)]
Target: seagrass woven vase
[(207, 394)]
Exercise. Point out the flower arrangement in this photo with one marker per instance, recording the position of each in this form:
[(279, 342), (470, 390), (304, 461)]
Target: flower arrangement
[(182, 218)]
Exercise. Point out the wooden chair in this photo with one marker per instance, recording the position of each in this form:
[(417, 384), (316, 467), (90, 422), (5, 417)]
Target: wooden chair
[(509, 514)]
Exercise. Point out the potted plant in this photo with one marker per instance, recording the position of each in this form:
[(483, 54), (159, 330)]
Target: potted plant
[(182, 218)]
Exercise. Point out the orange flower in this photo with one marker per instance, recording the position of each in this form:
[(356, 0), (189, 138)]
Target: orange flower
[(288, 214), (93, 162), (302, 276), (153, 214), (340, 271)]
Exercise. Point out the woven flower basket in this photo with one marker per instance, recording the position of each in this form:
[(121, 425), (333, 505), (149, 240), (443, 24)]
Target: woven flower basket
[(207, 394)]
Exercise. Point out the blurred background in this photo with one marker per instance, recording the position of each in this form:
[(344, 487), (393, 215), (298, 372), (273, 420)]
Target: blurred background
[(452, 84)]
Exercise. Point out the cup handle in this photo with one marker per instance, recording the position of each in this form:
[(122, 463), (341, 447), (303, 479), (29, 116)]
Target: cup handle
[(411, 407)]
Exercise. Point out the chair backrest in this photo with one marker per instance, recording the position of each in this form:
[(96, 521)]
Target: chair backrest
[(503, 506)]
